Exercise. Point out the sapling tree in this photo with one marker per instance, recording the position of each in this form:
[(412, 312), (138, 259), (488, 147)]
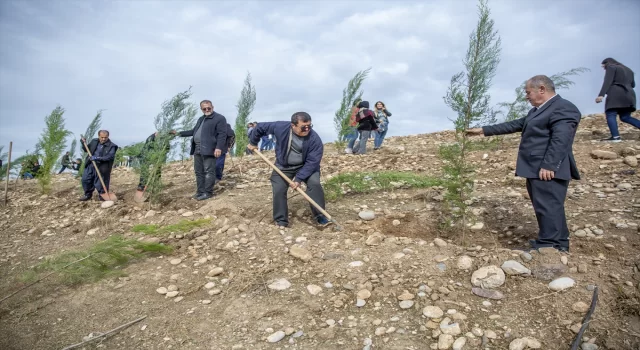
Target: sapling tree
[(350, 94), (52, 144), (246, 103), (188, 123), (468, 96), (89, 134), (520, 106), (154, 153)]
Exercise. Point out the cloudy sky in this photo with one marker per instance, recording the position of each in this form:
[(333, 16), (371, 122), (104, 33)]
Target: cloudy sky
[(127, 57)]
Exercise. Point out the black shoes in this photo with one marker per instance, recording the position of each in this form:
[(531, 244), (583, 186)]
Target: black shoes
[(85, 198), (204, 197)]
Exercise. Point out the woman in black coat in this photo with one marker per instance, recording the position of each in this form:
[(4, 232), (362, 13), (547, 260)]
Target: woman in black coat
[(621, 99)]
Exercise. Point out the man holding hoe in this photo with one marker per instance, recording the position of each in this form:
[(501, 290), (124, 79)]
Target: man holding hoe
[(298, 155)]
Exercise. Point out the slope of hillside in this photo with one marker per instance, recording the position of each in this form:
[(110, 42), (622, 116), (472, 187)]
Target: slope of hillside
[(398, 281)]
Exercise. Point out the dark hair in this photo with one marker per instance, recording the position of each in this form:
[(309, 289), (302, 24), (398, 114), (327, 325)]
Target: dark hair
[(300, 117), (103, 131), (206, 101), (611, 62), (376, 105)]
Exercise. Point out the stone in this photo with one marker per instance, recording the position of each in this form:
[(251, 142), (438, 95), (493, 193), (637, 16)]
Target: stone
[(107, 204), (162, 290), (459, 343), (488, 277), (276, 337), (564, 260), (364, 294), (209, 285), (432, 312), (215, 271), (580, 307), (624, 186), (395, 222), (631, 161), (374, 239), (487, 293), (187, 214), (447, 328), (360, 302), (518, 344), (280, 284), (380, 331), (464, 263), (512, 267), (92, 232), (406, 304), (439, 242), (477, 226), (589, 346), (628, 151), (289, 330), (548, 272), (561, 283), (314, 289), (300, 253), (172, 294), (526, 256), (580, 233), (367, 215), (445, 341), (175, 261), (600, 154)]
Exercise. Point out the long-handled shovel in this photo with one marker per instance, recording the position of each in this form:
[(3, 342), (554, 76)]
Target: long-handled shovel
[(106, 195), (288, 180)]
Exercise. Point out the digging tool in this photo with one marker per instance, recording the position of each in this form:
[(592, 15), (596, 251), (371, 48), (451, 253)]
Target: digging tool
[(288, 180), (139, 196), (6, 182), (106, 195)]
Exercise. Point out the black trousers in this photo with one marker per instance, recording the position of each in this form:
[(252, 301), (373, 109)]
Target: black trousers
[(91, 181), (548, 199), (205, 169), (279, 187)]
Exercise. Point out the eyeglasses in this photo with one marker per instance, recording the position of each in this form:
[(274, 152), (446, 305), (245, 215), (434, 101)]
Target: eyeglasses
[(206, 109), (306, 127)]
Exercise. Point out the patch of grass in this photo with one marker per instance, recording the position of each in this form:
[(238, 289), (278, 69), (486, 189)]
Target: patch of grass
[(182, 226), (362, 182), (105, 259)]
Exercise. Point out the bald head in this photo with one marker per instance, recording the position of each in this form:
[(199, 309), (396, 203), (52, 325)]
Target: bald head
[(539, 89)]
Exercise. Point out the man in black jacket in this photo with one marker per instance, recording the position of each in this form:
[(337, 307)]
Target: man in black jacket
[(231, 139), (545, 157), (209, 139), (103, 153)]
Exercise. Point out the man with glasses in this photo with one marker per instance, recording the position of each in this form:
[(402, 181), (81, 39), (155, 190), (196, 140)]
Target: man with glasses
[(209, 139), (298, 155)]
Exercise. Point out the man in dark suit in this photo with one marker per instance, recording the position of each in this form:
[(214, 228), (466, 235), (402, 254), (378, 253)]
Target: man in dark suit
[(209, 139), (545, 157)]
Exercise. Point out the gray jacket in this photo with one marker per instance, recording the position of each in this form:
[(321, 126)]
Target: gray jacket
[(618, 87)]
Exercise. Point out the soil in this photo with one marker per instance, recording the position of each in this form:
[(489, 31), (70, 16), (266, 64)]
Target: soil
[(253, 253)]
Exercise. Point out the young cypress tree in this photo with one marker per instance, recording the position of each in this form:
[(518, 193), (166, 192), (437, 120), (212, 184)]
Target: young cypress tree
[(350, 94), (468, 96), (89, 134), (246, 103), (51, 143)]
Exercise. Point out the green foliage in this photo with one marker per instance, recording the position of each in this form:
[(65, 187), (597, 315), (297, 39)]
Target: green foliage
[(22, 164), (154, 153), (364, 182), (350, 94), (89, 134), (182, 226), (188, 123), (520, 106), (72, 150), (245, 106), (468, 96), (52, 144), (106, 259)]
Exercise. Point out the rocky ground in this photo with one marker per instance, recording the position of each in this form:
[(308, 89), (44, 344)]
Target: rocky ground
[(393, 278)]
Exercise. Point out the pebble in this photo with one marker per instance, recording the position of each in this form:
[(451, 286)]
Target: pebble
[(364, 294), (360, 302), (432, 312), (187, 213), (206, 302), (589, 346), (380, 331), (214, 291), (280, 284), (488, 277), (314, 289), (209, 285), (172, 294), (107, 204), (175, 261), (477, 227), (464, 263), (564, 260), (487, 293), (367, 215), (92, 232), (406, 304), (561, 283), (445, 341), (512, 267), (172, 288), (162, 290), (178, 299), (526, 256), (276, 337), (395, 222), (459, 343), (580, 307), (439, 242), (215, 271), (580, 233), (300, 253)]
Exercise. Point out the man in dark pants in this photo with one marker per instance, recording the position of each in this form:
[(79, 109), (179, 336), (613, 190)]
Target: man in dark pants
[(103, 153), (209, 139), (298, 154), (66, 162), (231, 139), (545, 157)]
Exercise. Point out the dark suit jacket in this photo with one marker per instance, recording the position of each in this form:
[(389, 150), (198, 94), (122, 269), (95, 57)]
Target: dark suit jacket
[(214, 134), (547, 139)]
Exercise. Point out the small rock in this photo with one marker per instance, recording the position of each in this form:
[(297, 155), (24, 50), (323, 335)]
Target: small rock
[(172, 294), (564, 260), (360, 302), (92, 232), (447, 328), (445, 341), (162, 290), (276, 337), (107, 204), (487, 293), (512, 267), (599, 154), (395, 222), (631, 161), (459, 343), (300, 253), (580, 233), (589, 346), (175, 261), (406, 304), (464, 263), (367, 215), (374, 239), (439, 242), (477, 226), (187, 213), (580, 307), (433, 312), (314, 289), (215, 271), (280, 284), (364, 294), (526, 256), (561, 283), (488, 277)]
